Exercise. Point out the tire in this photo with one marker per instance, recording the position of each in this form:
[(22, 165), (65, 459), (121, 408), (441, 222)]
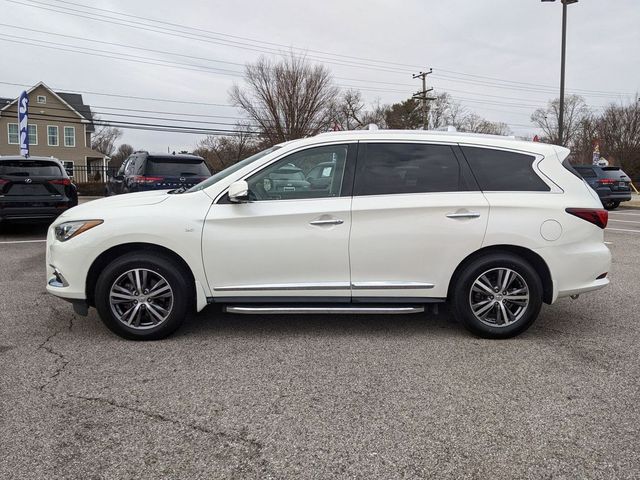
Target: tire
[(156, 315), (611, 205), (491, 308)]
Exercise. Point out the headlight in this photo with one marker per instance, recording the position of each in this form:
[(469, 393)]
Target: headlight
[(68, 230)]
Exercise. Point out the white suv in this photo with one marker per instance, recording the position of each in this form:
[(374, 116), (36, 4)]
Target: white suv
[(348, 222)]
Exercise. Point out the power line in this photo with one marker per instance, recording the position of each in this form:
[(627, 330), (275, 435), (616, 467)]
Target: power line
[(118, 21)]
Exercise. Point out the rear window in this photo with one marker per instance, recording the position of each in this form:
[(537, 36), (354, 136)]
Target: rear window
[(174, 167), (501, 171), (30, 168), (613, 172)]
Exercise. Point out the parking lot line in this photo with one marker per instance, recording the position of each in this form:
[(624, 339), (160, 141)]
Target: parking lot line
[(622, 230), (623, 221), (625, 213), (24, 241)]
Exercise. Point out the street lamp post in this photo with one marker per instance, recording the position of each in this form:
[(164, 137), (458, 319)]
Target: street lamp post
[(562, 65)]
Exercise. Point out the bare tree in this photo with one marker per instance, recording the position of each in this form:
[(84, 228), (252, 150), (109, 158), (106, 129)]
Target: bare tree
[(121, 154), (474, 123), (288, 99), (619, 131), (575, 111), (221, 152), (105, 138)]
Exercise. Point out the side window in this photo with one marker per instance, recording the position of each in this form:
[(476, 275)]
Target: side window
[(129, 169), (387, 168), (298, 176), (123, 167), (586, 172), (501, 171)]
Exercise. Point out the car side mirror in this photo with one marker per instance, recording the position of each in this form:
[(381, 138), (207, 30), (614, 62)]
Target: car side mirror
[(119, 178), (239, 192)]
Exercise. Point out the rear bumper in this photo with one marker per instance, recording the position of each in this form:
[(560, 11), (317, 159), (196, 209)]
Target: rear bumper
[(614, 196), (21, 209), (575, 267)]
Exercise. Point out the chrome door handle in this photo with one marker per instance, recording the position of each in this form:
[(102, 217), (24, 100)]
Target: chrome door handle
[(463, 215), (333, 221)]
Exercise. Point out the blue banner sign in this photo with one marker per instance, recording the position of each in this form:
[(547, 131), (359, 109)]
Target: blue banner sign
[(23, 122)]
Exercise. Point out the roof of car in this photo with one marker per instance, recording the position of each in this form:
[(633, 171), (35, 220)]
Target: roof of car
[(20, 157), (438, 136)]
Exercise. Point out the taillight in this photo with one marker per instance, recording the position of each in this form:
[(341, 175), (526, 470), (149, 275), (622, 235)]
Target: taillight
[(597, 216), (60, 181), (606, 181), (143, 179), (3, 181)]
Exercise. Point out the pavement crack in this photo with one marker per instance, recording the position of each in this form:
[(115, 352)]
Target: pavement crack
[(242, 438), (61, 361)]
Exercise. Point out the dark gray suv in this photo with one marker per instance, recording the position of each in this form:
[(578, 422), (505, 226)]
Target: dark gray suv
[(610, 183), (34, 188)]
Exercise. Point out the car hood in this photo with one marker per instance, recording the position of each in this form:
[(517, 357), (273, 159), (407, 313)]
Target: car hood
[(91, 208)]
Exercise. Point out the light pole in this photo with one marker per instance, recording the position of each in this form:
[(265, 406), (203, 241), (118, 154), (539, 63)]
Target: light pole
[(562, 64)]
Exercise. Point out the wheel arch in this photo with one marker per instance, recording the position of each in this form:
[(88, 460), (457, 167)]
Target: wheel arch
[(536, 261), (114, 252)]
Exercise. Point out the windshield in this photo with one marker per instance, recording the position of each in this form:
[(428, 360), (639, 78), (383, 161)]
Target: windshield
[(232, 169)]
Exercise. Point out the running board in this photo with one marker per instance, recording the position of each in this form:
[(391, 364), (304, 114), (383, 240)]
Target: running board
[(268, 310)]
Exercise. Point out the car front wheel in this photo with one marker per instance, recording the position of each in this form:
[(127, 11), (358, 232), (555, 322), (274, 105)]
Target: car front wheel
[(142, 296), (497, 296)]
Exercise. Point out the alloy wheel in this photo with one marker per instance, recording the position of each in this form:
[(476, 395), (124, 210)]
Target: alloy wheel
[(499, 297), (141, 298)]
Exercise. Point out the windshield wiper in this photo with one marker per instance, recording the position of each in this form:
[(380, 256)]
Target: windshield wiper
[(176, 191)]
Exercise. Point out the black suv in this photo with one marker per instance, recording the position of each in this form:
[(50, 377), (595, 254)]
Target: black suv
[(610, 183), (34, 188), (144, 171)]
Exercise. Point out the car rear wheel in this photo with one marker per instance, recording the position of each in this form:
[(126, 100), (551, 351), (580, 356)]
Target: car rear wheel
[(142, 296), (497, 296), (611, 205)]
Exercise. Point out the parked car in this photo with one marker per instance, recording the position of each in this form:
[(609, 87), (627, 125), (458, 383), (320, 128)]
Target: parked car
[(610, 183), (494, 226), (34, 188), (143, 171)]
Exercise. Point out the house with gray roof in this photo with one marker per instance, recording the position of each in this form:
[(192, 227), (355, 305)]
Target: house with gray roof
[(60, 125)]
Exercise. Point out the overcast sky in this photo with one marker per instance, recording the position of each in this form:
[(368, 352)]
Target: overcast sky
[(500, 58)]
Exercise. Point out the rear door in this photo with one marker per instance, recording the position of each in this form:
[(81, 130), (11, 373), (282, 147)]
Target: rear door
[(416, 214)]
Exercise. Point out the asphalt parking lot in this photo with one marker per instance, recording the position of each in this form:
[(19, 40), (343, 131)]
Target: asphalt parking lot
[(318, 396)]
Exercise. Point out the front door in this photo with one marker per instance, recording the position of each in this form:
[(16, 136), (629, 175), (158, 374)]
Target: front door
[(417, 213), (290, 242)]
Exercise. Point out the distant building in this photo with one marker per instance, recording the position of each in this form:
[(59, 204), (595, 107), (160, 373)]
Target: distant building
[(60, 125)]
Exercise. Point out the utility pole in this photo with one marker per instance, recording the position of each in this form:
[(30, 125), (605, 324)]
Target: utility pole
[(422, 96)]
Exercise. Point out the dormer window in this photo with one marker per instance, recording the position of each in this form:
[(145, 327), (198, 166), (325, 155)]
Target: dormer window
[(41, 99)]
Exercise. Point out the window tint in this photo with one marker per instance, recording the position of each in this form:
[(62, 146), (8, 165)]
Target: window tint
[(176, 167), (500, 171), (387, 168), (30, 168), (296, 175)]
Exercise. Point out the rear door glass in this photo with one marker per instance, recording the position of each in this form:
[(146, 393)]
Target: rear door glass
[(172, 167), (502, 171), (30, 168)]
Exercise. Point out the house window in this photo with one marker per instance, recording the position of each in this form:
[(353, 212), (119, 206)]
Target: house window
[(41, 99), (14, 136), (69, 136), (52, 135), (33, 134)]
